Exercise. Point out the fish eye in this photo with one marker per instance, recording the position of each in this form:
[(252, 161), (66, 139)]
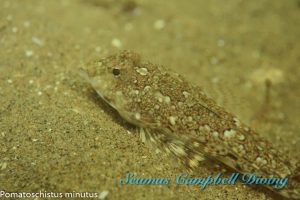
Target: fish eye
[(116, 71)]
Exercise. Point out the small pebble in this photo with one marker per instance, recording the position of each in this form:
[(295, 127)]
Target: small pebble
[(103, 194), (116, 43), (260, 75), (4, 165), (172, 120), (37, 41), (159, 24), (29, 53)]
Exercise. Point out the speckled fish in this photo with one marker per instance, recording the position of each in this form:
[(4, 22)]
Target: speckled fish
[(180, 119)]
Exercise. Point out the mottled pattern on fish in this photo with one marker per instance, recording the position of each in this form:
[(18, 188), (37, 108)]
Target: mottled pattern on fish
[(179, 118)]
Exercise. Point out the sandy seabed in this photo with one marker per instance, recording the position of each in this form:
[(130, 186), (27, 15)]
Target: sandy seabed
[(56, 135)]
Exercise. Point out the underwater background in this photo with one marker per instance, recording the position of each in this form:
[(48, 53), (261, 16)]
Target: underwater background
[(57, 135)]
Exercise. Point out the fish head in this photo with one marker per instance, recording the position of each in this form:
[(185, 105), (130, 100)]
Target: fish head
[(115, 77)]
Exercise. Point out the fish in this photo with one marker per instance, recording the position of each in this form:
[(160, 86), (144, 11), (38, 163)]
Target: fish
[(181, 119)]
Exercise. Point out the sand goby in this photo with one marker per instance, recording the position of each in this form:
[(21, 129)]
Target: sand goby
[(181, 119)]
